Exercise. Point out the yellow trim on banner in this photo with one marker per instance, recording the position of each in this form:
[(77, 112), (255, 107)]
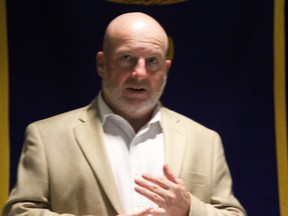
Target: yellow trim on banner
[(280, 103), (4, 120)]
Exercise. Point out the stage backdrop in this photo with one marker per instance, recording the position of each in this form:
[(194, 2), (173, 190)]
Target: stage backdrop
[(222, 76)]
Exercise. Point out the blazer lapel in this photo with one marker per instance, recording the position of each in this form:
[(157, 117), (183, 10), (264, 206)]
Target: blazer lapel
[(174, 141), (90, 138)]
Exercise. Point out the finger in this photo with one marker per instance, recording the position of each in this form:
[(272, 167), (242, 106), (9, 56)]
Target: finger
[(157, 211), (145, 212), (169, 175), (150, 186), (152, 193), (161, 182)]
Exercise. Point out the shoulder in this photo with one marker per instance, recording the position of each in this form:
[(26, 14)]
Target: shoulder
[(186, 125), (181, 119), (197, 138)]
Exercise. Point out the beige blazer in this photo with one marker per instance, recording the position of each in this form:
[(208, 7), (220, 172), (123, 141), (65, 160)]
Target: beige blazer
[(64, 168)]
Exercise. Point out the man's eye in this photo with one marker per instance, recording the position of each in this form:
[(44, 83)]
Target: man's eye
[(153, 64), (125, 61), (126, 58), (153, 61)]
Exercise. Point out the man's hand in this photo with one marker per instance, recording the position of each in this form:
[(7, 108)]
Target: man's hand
[(148, 211), (169, 194)]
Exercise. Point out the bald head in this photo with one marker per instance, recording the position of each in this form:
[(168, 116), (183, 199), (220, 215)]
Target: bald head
[(133, 66), (134, 24)]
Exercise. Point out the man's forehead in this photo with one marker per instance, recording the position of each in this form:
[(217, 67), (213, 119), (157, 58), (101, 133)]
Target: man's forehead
[(140, 49), (140, 28)]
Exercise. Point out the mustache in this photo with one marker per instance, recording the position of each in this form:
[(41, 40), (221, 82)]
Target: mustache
[(143, 83)]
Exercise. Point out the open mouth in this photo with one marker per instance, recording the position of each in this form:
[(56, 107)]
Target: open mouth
[(137, 89)]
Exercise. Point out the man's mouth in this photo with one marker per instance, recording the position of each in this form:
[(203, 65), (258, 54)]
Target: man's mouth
[(136, 89)]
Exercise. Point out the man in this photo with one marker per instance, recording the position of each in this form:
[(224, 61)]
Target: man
[(124, 153)]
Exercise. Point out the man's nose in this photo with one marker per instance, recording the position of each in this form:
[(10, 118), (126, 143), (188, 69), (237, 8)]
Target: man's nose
[(140, 71)]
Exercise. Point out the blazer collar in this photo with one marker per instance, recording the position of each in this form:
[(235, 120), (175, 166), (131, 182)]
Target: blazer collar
[(174, 140)]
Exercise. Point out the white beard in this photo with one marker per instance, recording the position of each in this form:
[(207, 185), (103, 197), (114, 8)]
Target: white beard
[(132, 106)]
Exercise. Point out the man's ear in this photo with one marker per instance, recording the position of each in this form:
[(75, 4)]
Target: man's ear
[(168, 65), (100, 63)]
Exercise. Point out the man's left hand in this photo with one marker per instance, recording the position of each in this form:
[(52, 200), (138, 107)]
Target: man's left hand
[(169, 194)]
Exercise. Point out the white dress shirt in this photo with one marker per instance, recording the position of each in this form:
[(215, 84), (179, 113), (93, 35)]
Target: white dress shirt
[(132, 154)]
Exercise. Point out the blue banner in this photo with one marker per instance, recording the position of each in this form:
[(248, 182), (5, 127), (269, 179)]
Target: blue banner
[(222, 75)]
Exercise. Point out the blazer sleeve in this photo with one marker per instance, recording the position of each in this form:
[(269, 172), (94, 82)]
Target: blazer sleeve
[(222, 199), (30, 195)]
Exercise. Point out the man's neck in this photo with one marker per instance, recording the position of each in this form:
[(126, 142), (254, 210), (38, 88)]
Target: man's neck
[(137, 121)]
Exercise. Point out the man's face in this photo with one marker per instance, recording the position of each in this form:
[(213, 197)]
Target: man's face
[(133, 73)]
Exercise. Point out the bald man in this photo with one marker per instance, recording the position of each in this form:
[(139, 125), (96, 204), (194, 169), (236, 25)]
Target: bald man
[(124, 154)]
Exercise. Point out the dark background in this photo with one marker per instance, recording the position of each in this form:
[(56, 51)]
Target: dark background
[(222, 75)]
